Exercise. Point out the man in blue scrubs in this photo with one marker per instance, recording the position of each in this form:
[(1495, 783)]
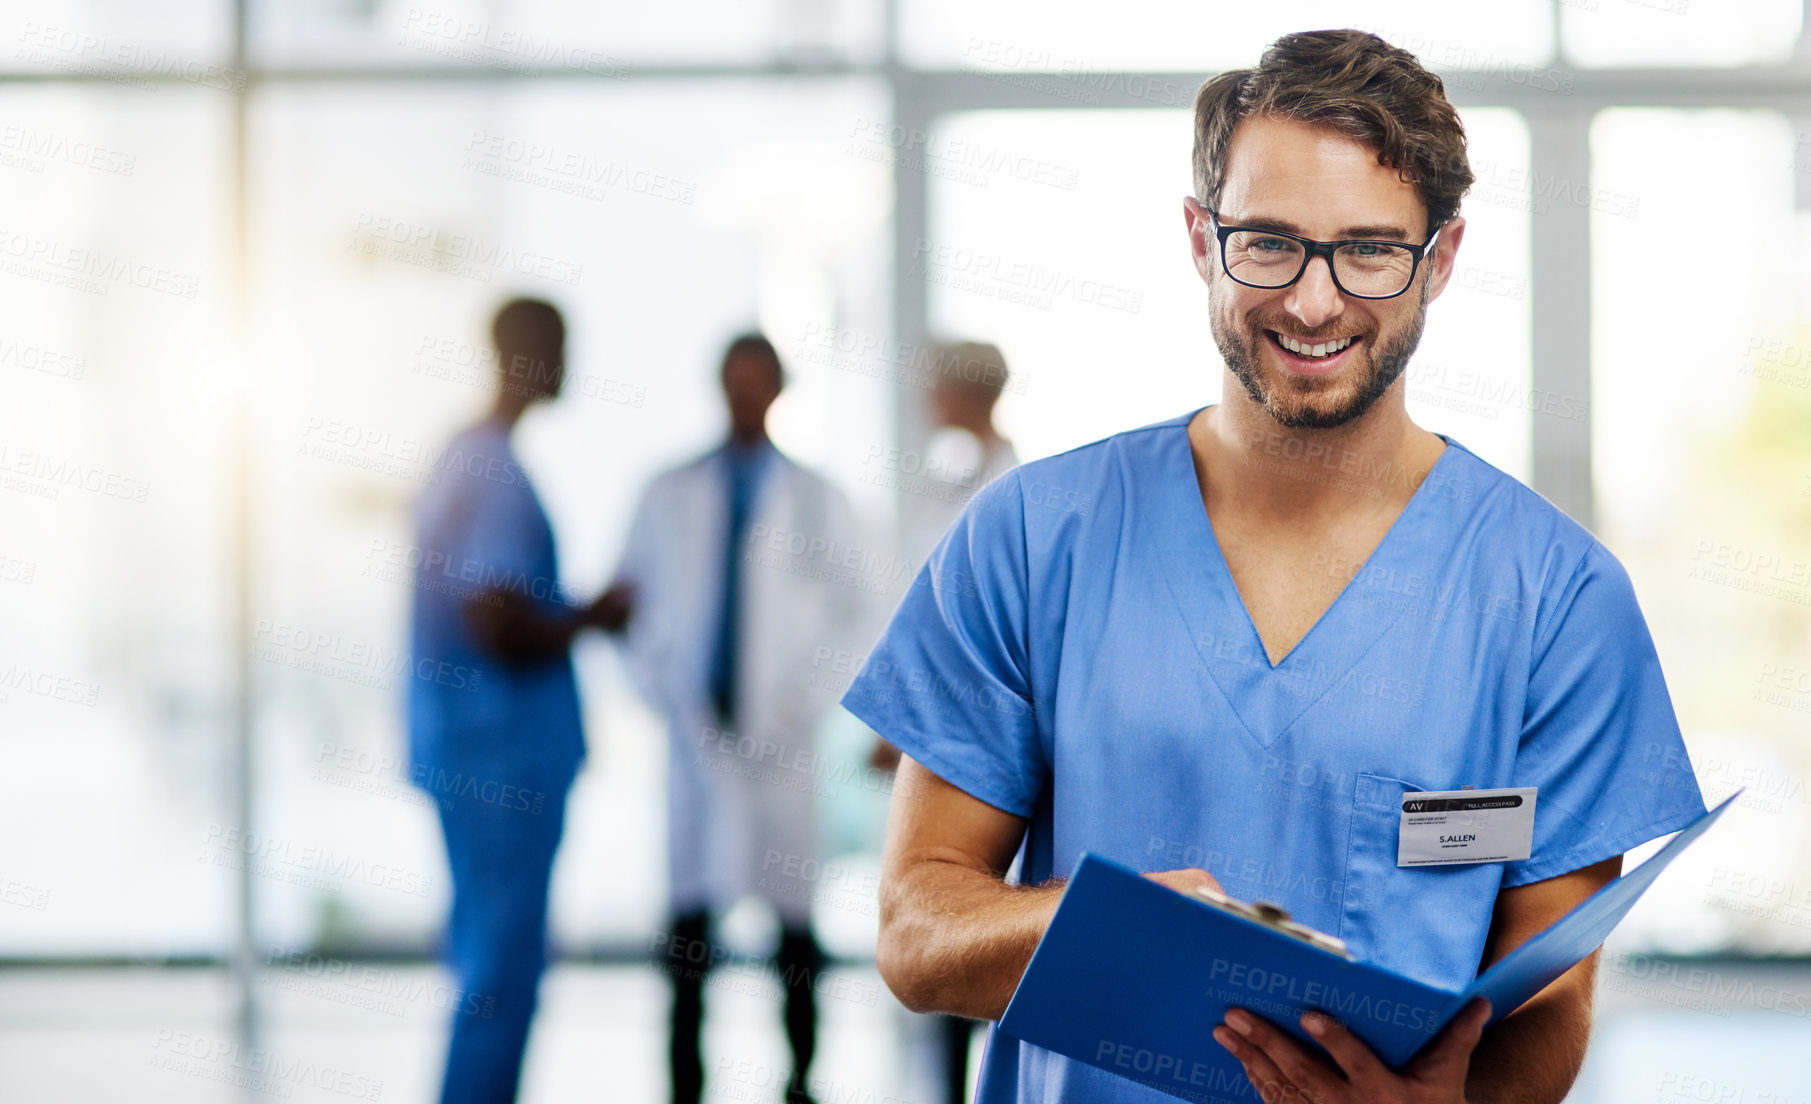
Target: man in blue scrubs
[(498, 742), (1220, 648)]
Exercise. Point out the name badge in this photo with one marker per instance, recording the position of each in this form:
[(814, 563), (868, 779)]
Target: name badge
[(1448, 827)]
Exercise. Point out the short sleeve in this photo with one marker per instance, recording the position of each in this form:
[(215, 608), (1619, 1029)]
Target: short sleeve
[(948, 683), (1599, 738)]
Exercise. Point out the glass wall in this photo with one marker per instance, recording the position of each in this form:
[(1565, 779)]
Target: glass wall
[(1703, 446), (116, 518), (663, 221)]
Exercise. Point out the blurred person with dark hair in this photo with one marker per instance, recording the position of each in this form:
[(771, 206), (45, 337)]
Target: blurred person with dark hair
[(739, 562), (1236, 638), (494, 730)]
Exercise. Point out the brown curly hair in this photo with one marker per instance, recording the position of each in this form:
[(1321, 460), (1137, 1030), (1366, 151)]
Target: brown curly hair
[(1354, 83)]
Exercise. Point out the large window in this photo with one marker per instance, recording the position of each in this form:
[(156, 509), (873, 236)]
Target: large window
[(714, 209), (117, 517), (1070, 37), (1701, 461)]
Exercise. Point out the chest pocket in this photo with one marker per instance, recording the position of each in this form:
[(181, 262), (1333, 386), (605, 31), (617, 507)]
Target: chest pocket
[(1428, 923)]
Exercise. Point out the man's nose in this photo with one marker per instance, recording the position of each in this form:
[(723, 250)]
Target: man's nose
[(1315, 299)]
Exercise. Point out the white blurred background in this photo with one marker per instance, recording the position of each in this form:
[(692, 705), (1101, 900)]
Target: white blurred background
[(219, 425)]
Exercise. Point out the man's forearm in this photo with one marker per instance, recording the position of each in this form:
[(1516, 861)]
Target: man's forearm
[(1533, 1055), (520, 632), (957, 940)]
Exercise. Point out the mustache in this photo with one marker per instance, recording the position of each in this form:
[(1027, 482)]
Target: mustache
[(1328, 332)]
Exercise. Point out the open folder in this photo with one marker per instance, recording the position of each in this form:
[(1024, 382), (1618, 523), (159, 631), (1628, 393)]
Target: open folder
[(1132, 977)]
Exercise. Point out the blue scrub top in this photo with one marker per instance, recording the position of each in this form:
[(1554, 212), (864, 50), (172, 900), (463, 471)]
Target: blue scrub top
[(1075, 652), (475, 722)]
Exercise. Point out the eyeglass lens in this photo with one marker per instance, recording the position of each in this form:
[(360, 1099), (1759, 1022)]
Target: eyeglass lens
[(1362, 268)]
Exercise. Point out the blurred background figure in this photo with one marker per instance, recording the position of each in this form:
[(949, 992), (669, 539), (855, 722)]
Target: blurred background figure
[(965, 452), (494, 735), (732, 558)]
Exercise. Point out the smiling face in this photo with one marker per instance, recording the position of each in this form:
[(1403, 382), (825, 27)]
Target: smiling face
[(1310, 355)]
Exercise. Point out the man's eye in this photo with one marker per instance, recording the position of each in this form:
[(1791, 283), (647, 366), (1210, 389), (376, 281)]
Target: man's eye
[(1271, 245)]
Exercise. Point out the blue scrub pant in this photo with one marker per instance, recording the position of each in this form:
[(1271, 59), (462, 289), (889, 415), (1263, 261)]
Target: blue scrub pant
[(502, 860)]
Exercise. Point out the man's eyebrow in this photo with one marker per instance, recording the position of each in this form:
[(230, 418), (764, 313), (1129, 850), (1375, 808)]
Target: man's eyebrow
[(1377, 230), (1374, 231)]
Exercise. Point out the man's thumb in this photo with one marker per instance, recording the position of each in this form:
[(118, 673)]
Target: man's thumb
[(1454, 1046)]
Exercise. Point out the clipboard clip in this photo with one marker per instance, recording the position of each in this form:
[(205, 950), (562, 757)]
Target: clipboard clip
[(1276, 918)]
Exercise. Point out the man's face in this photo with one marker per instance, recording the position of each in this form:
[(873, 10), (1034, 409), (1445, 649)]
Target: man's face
[(750, 385), (551, 373), (956, 402), (1318, 184), (537, 371)]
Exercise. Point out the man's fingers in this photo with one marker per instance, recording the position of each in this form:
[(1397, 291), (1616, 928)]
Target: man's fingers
[(1450, 1056), (1272, 1086), (1298, 1067), (1355, 1058)]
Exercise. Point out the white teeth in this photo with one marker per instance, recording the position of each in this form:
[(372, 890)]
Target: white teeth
[(1321, 350)]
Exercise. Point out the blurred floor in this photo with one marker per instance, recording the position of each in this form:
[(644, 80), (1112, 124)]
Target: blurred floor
[(374, 1033), (151, 1036)]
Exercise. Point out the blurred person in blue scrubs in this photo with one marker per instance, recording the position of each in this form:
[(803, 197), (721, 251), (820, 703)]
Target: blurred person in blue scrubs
[(497, 754), (1219, 649), (747, 579)]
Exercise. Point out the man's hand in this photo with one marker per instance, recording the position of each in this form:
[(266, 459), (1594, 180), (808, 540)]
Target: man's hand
[(612, 609), (519, 631), (1283, 1070)]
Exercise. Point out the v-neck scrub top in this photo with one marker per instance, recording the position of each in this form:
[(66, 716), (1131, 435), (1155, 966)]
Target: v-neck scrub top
[(1075, 652)]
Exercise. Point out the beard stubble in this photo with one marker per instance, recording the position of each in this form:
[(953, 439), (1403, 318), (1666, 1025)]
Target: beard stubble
[(1302, 402)]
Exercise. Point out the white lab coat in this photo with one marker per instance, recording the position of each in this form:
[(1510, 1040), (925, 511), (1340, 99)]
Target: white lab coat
[(956, 465), (741, 813)]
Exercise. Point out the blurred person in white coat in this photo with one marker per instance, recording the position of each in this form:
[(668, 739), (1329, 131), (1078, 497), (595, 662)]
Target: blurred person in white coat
[(965, 452), (746, 580)]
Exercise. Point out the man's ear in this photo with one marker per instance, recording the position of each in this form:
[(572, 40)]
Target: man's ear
[(1443, 257), (1201, 242)]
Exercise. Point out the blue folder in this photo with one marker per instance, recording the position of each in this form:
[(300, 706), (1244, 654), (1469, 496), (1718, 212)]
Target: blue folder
[(1132, 977)]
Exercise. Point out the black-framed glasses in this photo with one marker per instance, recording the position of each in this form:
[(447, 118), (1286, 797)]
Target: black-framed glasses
[(1363, 269)]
